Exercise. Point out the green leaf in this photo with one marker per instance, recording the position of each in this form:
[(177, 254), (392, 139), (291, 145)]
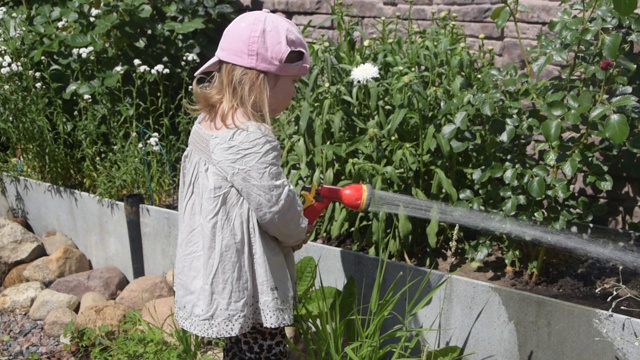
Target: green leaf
[(536, 187), (449, 131), (597, 112), (557, 108), (625, 7), (145, 11), (306, 270), (404, 225), (605, 183), (508, 134), (501, 15), (78, 40), (539, 64), (616, 128), (551, 130), (623, 100), (570, 167), (611, 44)]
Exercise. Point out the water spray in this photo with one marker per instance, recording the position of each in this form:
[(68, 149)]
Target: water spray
[(361, 197)]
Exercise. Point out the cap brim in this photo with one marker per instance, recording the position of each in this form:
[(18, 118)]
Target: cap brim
[(211, 65)]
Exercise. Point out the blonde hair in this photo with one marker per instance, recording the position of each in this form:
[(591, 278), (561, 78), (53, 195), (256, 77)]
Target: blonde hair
[(230, 92)]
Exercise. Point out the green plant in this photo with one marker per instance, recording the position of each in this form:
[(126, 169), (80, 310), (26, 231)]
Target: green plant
[(395, 131), (338, 324), (135, 338), (81, 78), (440, 121)]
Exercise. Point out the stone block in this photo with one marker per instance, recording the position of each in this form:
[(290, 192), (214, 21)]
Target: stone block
[(301, 6), (527, 31), (489, 30), (316, 21), (541, 11)]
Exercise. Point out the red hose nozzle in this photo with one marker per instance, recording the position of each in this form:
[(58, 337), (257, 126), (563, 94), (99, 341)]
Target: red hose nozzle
[(354, 196)]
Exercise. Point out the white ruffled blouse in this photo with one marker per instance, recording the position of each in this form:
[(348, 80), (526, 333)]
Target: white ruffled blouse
[(238, 218)]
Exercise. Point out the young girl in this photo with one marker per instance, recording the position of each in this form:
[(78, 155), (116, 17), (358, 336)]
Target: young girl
[(240, 219)]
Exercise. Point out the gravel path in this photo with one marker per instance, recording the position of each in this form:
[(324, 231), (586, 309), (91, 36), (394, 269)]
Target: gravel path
[(21, 337)]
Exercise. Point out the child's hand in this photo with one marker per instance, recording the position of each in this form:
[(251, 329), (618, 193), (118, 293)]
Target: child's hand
[(299, 246)]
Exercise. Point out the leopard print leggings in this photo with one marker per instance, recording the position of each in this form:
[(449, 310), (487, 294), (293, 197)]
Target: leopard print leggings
[(259, 343)]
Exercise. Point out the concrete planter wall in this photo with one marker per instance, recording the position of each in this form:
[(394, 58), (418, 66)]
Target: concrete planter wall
[(489, 322)]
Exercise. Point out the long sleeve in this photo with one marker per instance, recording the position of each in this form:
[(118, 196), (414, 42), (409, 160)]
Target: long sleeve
[(254, 170)]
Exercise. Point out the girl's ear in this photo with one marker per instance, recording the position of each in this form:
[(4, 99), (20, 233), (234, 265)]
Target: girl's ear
[(294, 56)]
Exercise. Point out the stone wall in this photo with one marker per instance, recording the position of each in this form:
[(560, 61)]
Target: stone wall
[(473, 15)]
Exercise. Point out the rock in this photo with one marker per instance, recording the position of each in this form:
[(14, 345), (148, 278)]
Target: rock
[(144, 289), (57, 320), (15, 276), (48, 300), (159, 312), (17, 245), (52, 240), (169, 278), (64, 262), (107, 281), (91, 298), (20, 297), (109, 313), (22, 222)]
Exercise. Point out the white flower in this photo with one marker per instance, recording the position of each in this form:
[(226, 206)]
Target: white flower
[(156, 148), (38, 85), (362, 73), (155, 135), (191, 57), (140, 145), (87, 97), (137, 62), (62, 23), (143, 68), (118, 69), (153, 141), (157, 69), (95, 12)]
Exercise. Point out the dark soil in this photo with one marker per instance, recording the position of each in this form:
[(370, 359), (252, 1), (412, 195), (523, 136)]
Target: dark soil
[(565, 277)]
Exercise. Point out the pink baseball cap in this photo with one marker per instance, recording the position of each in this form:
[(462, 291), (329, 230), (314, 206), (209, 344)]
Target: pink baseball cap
[(261, 40)]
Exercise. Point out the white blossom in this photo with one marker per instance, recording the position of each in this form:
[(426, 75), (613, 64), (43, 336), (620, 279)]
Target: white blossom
[(156, 148), (140, 145), (362, 73), (62, 23), (153, 141), (118, 69), (87, 97), (157, 69), (143, 68), (155, 135), (95, 12), (38, 85), (190, 57), (137, 62)]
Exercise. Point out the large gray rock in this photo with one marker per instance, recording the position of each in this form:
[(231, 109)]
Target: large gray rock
[(143, 289), (20, 297), (48, 300), (17, 245), (57, 320), (64, 262), (107, 281), (52, 240)]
